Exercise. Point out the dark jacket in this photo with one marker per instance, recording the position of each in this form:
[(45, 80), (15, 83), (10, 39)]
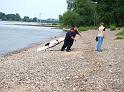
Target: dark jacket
[(69, 35)]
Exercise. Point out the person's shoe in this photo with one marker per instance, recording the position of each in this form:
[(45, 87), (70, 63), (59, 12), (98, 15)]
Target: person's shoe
[(99, 50), (68, 50), (62, 49)]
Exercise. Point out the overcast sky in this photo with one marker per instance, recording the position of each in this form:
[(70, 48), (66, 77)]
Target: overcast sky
[(32, 8)]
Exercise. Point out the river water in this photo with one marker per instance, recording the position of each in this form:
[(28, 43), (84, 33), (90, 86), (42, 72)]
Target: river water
[(14, 37)]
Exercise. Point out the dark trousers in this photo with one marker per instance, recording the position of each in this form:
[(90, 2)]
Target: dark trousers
[(68, 44)]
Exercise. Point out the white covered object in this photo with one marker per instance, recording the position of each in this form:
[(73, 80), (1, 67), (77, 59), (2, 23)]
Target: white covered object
[(42, 48), (51, 44)]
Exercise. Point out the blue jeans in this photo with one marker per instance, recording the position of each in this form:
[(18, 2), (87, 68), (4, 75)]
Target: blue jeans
[(99, 43)]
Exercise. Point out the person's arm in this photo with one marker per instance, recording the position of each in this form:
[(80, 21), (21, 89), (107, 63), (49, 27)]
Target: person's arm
[(78, 33), (103, 32), (73, 38)]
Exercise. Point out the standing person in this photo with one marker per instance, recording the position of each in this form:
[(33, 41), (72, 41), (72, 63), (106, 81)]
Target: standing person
[(101, 34), (69, 39)]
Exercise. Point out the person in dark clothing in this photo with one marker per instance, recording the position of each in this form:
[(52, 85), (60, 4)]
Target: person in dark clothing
[(69, 39)]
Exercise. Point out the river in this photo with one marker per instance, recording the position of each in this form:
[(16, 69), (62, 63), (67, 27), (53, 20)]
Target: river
[(15, 37)]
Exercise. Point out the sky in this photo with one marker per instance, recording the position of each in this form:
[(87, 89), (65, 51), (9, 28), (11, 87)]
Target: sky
[(42, 9)]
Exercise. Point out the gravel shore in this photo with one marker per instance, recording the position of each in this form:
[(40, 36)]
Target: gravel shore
[(81, 70)]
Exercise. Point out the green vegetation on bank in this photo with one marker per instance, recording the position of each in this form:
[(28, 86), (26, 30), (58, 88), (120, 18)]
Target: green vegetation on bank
[(10, 17), (80, 29), (70, 18), (85, 28), (120, 35), (92, 12), (112, 27)]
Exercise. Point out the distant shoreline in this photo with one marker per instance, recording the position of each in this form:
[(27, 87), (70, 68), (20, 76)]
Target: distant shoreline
[(39, 25), (21, 23), (35, 24)]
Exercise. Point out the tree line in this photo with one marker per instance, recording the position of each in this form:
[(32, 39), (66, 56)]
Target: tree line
[(92, 12), (17, 17)]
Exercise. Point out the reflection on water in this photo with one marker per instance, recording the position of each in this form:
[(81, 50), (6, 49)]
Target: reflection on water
[(13, 37)]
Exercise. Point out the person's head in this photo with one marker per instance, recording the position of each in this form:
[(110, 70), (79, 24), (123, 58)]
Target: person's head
[(75, 28), (72, 29)]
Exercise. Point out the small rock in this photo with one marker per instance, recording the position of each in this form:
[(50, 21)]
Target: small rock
[(75, 77), (74, 89), (110, 71), (67, 77), (110, 65)]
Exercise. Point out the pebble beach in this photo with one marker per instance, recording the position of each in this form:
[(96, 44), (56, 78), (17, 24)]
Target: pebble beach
[(81, 70)]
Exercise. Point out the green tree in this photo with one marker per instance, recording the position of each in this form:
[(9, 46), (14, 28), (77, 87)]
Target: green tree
[(34, 19), (17, 17), (26, 19), (60, 19), (70, 18), (111, 11), (85, 8), (3, 16), (107, 11), (70, 4), (11, 17)]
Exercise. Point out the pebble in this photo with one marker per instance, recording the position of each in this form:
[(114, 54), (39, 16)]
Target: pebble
[(75, 77)]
